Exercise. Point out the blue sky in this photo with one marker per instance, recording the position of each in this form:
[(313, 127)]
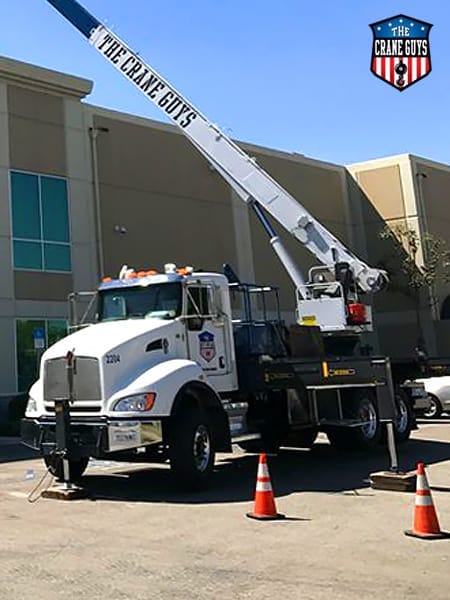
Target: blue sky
[(292, 75)]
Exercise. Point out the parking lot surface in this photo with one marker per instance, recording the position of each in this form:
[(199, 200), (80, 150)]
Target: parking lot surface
[(137, 537)]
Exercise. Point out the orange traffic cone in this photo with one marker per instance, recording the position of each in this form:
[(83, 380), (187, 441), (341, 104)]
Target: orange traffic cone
[(265, 509), (426, 524)]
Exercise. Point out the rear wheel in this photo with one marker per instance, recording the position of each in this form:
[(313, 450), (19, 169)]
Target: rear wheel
[(405, 419), (191, 450), (366, 436), (76, 467), (435, 410), (369, 434)]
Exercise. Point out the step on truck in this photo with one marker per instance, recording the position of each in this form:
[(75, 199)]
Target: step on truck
[(167, 371)]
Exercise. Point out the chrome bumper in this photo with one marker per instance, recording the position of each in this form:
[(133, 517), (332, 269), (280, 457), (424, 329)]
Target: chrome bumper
[(92, 437)]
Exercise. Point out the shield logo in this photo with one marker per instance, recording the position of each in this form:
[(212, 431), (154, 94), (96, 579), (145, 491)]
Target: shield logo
[(207, 345), (401, 51)]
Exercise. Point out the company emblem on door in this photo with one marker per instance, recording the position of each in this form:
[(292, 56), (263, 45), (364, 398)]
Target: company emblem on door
[(207, 346)]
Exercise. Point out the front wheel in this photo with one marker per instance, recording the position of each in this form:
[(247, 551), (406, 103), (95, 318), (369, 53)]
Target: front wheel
[(54, 464), (191, 450)]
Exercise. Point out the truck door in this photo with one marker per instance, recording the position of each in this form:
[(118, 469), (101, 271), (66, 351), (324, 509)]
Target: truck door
[(206, 329)]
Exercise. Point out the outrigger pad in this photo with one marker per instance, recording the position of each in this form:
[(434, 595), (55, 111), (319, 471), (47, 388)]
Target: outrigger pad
[(393, 481), (59, 492)]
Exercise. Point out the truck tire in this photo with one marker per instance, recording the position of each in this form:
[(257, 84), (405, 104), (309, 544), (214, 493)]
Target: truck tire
[(191, 451), (405, 420), (76, 467), (365, 437)]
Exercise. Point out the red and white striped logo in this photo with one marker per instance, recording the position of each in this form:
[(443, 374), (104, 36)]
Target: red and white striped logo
[(401, 51), (401, 72)]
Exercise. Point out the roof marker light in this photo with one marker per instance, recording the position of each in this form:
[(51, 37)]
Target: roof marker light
[(170, 268)]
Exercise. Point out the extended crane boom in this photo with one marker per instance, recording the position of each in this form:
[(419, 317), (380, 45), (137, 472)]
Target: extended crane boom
[(240, 170)]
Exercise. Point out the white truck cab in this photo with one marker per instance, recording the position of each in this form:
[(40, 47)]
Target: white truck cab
[(155, 335)]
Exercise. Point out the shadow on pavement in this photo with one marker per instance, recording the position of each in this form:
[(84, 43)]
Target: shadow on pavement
[(323, 469), (11, 449)]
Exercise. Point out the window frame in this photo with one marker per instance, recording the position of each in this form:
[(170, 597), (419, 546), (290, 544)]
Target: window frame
[(41, 241)]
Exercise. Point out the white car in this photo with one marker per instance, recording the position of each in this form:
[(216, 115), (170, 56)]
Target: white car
[(438, 389)]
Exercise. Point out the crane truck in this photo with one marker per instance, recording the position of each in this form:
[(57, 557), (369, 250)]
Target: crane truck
[(181, 364)]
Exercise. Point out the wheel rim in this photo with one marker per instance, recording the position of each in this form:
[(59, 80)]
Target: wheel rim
[(369, 415), (432, 411), (202, 448), (402, 419)]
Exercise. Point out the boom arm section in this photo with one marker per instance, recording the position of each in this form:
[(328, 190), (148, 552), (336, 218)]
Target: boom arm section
[(240, 170)]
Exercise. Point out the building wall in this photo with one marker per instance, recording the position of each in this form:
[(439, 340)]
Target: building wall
[(408, 191), (432, 182), (37, 124), (385, 199), (139, 194), (7, 305), (158, 190)]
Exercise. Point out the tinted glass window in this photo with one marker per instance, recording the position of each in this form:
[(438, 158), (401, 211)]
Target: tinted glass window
[(26, 212), (199, 301), (55, 218), (40, 222), (159, 301)]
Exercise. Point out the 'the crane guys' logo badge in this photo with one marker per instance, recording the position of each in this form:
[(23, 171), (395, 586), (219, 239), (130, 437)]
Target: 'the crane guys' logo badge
[(401, 51), (207, 345)]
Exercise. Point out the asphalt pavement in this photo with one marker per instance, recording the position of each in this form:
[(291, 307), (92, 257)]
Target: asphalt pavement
[(137, 537)]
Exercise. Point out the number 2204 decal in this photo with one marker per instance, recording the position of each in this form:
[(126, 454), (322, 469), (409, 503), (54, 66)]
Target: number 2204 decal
[(112, 358)]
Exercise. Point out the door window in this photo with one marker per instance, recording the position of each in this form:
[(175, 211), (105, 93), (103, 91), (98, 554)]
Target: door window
[(200, 301)]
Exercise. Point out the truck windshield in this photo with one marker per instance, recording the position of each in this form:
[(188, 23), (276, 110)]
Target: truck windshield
[(160, 301)]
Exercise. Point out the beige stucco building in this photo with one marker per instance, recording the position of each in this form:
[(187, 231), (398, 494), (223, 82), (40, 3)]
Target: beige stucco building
[(411, 192), (84, 190)]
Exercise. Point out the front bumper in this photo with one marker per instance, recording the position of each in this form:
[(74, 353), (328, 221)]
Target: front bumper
[(92, 437)]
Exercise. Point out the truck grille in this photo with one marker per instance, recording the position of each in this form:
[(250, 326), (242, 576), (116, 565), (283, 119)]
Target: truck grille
[(86, 391)]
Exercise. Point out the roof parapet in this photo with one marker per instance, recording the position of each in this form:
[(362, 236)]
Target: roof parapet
[(44, 80)]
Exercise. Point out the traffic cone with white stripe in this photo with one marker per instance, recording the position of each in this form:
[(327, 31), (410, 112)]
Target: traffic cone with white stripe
[(426, 524), (265, 509)]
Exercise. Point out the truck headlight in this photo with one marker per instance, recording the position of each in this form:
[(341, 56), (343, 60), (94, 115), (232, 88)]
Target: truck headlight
[(31, 405), (137, 403)]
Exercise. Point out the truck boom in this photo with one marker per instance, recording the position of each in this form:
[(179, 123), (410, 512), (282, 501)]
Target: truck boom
[(240, 170)]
